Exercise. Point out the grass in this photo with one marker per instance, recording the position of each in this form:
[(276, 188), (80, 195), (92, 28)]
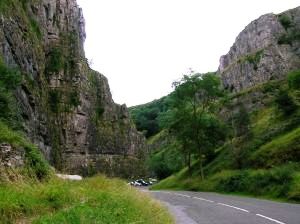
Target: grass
[(35, 165), (93, 200), (277, 183), (283, 149)]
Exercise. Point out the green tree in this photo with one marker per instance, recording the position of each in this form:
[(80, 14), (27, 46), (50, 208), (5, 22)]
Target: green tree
[(193, 121)]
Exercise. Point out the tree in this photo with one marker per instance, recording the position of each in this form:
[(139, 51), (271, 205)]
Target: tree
[(193, 121)]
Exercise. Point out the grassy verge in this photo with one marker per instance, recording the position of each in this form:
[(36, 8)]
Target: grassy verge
[(278, 183), (93, 200)]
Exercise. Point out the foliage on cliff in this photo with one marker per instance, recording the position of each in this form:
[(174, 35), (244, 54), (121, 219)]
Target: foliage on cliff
[(34, 167)]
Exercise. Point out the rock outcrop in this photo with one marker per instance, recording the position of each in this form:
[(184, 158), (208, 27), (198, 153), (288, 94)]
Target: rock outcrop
[(66, 108), (266, 49)]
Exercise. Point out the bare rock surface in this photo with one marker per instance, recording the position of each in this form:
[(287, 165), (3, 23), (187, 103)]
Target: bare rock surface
[(267, 49)]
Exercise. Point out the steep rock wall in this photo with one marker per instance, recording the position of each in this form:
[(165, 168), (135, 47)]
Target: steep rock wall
[(266, 49), (66, 108)]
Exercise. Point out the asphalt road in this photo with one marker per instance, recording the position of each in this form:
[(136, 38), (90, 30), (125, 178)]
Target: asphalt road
[(213, 208)]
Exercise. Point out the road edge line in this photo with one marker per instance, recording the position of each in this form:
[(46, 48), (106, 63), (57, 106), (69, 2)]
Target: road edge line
[(203, 199), (237, 208), (274, 220)]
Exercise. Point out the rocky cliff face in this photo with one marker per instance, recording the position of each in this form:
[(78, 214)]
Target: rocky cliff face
[(266, 49), (66, 107)]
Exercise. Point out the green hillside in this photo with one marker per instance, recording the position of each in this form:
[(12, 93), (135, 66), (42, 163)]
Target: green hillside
[(261, 157), (147, 116)]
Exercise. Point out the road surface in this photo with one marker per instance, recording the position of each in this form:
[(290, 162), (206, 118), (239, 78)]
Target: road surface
[(212, 208)]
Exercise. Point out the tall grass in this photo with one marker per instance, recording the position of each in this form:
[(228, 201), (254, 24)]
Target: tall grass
[(93, 200)]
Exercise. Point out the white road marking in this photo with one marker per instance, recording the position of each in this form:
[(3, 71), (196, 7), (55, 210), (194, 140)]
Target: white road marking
[(274, 220), (244, 210), (183, 195), (203, 199)]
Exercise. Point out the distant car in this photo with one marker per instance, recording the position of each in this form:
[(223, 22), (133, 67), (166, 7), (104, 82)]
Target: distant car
[(152, 180), (142, 182), (135, 183)]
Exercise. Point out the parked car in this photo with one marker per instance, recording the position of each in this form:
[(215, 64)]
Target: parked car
[(142, 182), (135, 183), (152, 181)]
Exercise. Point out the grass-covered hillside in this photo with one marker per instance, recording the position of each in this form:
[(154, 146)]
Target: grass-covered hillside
[(261, 153)]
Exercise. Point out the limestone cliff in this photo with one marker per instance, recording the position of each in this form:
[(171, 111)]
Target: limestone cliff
[(66, 108), (266, 49)]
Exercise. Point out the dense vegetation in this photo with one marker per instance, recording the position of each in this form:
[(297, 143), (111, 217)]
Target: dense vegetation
[(93, 200), (10, 79), (147, 117), (245, 147)]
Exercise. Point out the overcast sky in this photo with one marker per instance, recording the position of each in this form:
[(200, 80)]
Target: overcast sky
[(142, 46)]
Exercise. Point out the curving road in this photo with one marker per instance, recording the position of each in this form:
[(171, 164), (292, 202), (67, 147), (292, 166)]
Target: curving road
[(213, 208)]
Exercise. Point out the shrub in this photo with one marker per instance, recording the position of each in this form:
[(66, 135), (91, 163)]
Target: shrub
[(285, 103), (294, 80), (285, 21), (293, 35), (53, 100), (237, 182), (254, 58), (36, 28), (74, 99), (10, 79), (166, 162), (35, 165), (55, 61)]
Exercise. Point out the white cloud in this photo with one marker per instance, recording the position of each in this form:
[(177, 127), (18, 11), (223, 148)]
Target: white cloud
[(142, 46)]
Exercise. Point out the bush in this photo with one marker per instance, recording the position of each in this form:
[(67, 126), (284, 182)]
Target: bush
[(36, 28), (294, 80), (53, 100), (285, 103), (237, 182), (254, 58), (166, 162), (285, 21), (55, 61), (35, 165), (10, 79), (293, 35), (74, 99)]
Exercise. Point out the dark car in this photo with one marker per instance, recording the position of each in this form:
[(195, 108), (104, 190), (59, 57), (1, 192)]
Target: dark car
[(142, 182)]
